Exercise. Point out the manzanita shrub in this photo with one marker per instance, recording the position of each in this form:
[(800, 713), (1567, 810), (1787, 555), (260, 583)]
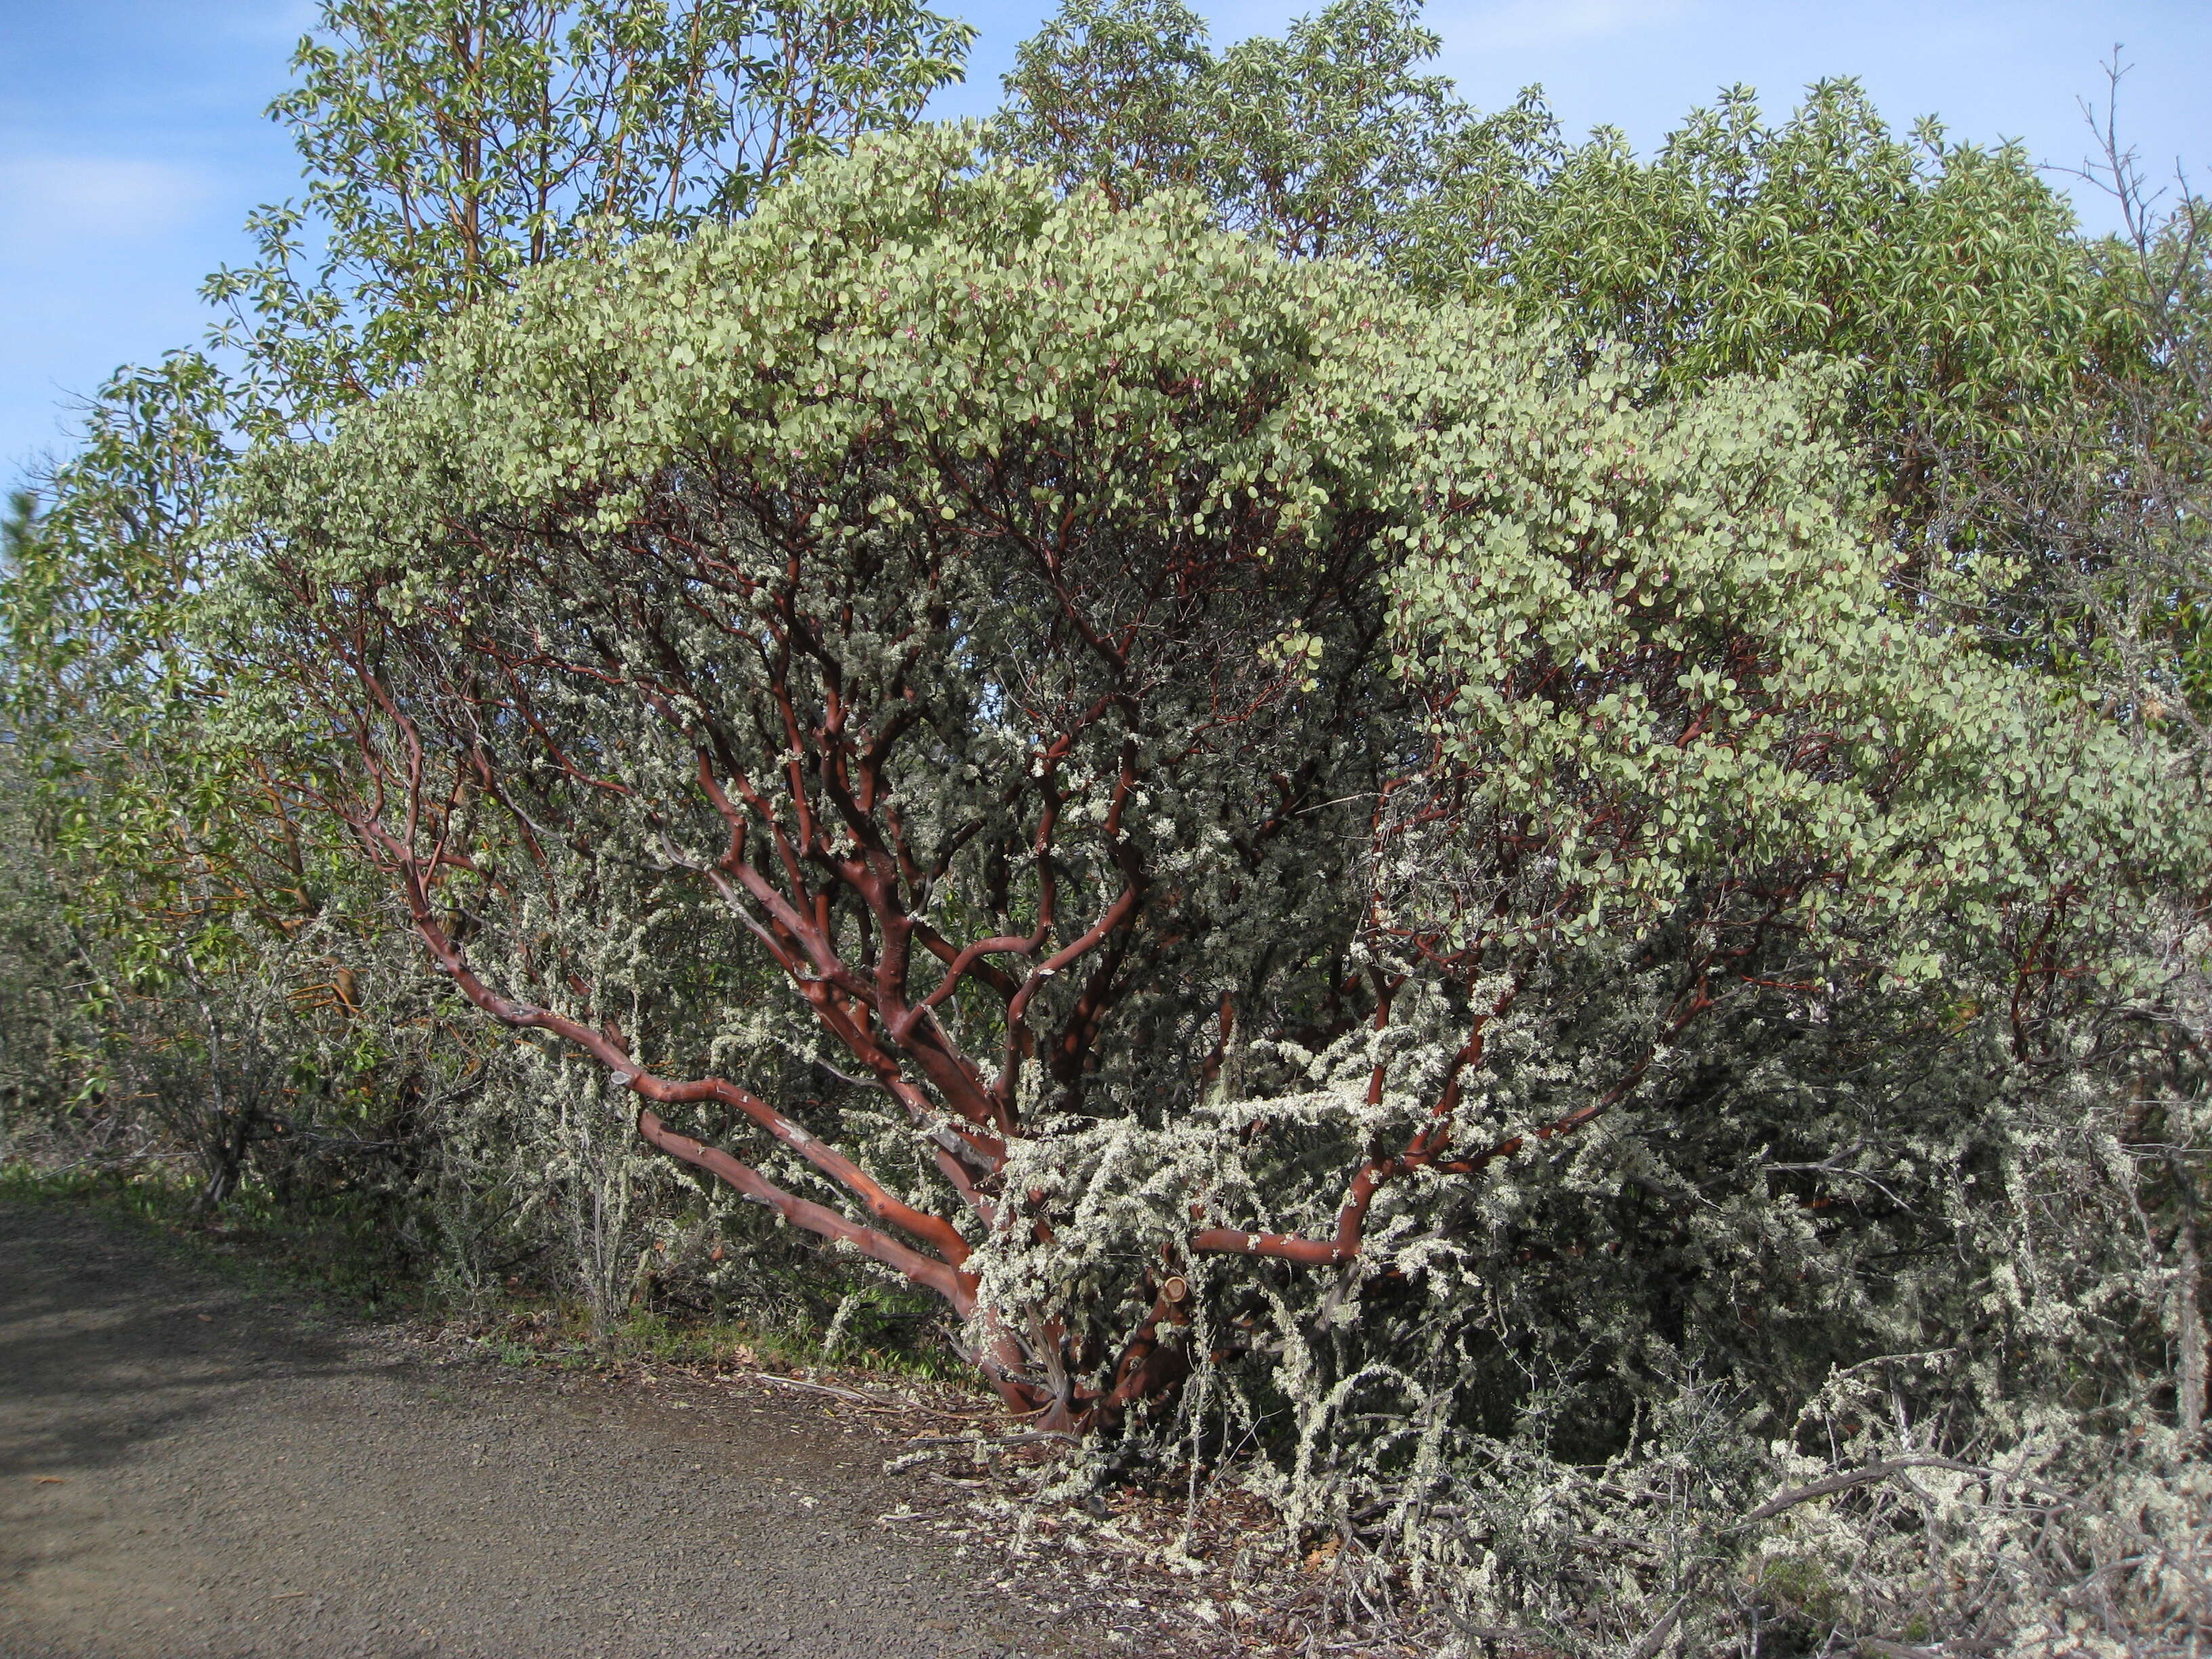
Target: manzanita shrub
[(1337, 878)]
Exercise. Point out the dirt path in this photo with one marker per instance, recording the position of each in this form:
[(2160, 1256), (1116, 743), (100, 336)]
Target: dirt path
[(186, 1471)]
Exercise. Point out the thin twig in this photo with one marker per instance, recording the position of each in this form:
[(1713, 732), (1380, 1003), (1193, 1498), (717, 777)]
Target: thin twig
[(852, 1395)]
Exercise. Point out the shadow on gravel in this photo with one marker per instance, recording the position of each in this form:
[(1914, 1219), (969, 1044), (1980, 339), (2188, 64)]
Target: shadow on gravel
[(188, 1472), (107, 1342)]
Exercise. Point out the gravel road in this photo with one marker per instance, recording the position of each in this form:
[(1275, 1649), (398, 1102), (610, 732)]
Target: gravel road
[(187, 1472)]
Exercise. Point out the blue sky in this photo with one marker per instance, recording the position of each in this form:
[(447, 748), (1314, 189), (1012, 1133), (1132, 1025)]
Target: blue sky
[(132, 146)]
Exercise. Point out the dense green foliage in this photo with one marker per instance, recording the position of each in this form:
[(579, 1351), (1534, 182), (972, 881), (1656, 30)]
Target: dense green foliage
[(449, 148), (1947, 274), (1511, 838)]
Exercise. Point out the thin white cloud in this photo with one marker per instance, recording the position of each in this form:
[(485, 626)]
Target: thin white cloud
[(1525, 23), (57, 198)]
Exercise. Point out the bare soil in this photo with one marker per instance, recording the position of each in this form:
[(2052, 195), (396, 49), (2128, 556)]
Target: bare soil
[(191, 1471)]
